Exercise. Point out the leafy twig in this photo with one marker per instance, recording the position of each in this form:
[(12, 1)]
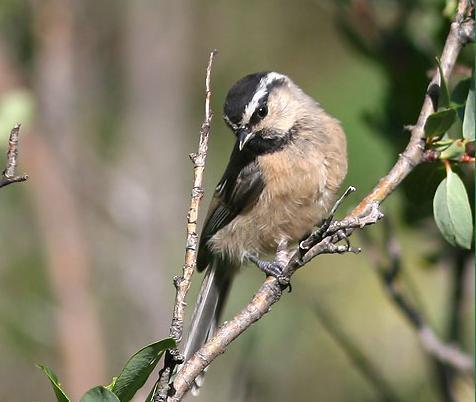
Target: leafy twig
[(370, 372)]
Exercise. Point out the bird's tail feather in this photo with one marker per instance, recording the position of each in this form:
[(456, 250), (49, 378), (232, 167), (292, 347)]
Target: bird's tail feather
[(211, 299)]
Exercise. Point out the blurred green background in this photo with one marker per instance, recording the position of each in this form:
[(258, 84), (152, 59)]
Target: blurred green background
[(110, 94)]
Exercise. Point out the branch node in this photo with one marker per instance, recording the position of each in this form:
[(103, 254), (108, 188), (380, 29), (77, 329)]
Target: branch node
[(193, 157), (466, 31), (197, 192), (177, 280)]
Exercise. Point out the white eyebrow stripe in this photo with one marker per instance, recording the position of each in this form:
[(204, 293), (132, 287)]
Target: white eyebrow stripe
[(230, 123), (261, 91)]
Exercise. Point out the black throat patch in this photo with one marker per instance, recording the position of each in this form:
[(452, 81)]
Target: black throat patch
[(269, 142)]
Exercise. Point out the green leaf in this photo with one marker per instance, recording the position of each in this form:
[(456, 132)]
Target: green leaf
[(460, 91), (459, 95), (99, 394), (444, 98), (138, 368), (60, 394), (16, 106), (468, 121), (439, 123), (450, 8), (452, 211), (441, 144), (111, 385), (455, 151)]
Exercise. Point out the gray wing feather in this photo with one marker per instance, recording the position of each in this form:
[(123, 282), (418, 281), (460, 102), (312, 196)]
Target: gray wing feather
[(238, 190)]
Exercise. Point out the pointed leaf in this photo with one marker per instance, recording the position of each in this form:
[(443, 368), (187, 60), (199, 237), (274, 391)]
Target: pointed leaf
[(468, 121), (450, 8), (99, 394), (439, 123), (455, 151), (452, 211), (138, 368), (444, 98), (60, 394), (16, 106), (111, 385), (460, 91), (459, 95), (441, 144)]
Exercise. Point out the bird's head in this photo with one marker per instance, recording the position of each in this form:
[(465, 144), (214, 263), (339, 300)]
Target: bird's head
[(263, 110)]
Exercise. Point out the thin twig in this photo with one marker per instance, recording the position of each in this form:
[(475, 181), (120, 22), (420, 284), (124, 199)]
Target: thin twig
[(446, 354), (459, 271), (9, 175), (271, 290), (436, 348), (182, 283), (359, 360), (447, 372), (445, 357)]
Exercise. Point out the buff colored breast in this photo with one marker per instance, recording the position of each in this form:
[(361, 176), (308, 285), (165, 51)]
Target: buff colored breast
[(299, 191)]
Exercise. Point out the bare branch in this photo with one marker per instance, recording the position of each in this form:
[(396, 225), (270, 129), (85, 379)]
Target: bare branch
[(435, 347), (182, 283), (9, 175), (445, 353), (356, 356), (365, 213)]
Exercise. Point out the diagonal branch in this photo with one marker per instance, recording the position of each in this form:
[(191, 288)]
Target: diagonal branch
[(9, 175), (389, 274), (357, 357), (462, 29)]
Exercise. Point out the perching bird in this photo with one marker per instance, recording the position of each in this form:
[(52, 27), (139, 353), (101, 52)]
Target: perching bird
[(282, 179)]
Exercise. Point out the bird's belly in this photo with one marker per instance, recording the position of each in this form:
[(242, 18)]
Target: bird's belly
[(287, 210)]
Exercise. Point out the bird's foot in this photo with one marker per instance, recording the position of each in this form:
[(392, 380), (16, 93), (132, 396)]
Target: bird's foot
[(272, 268)]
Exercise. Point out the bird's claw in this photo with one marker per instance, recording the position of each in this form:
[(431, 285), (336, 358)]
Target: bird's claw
[(274, 269), (284, 282)]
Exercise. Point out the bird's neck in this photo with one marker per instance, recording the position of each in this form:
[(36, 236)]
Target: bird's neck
[(268, 141)]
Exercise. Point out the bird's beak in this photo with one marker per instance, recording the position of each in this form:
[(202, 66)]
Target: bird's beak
[(244, 135)]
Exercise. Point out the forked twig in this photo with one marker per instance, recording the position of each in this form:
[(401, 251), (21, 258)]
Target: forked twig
[(9, 176)]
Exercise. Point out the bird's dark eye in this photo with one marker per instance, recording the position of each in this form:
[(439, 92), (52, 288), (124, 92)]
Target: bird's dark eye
[(262, 112)]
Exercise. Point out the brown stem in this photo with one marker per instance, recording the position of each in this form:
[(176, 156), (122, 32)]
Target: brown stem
[(389, 274), (357, 357), (182, 283)]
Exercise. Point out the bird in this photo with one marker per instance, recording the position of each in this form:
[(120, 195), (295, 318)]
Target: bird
[(286, 167)]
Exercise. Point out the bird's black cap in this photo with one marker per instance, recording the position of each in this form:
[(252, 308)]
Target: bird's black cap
[(240, 95)]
